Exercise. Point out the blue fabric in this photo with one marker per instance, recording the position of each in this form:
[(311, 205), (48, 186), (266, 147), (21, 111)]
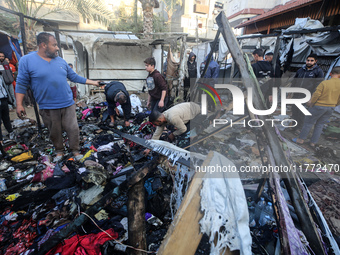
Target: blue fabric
[(320, 116), (48, 81), (5, 46), (213, 69), (15, 47)]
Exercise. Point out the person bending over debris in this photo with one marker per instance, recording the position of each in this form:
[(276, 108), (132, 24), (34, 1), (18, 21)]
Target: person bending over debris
[(178, 115), (325, 98), (46, 74), (157, 87), (116, 93)]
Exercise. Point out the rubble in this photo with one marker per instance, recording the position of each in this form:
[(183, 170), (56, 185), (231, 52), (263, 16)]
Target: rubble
[(41, 198)]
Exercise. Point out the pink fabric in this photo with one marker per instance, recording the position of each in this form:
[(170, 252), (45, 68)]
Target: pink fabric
[(85, 112)]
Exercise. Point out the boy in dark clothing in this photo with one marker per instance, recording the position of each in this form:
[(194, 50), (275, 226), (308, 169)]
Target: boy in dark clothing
[(263, 70), (308, 77), (269, 58), (116, 92), (157, 87), (192, 73)]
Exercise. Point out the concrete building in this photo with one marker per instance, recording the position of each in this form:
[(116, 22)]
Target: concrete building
[(238, 11), (195, 17), (283, 16)]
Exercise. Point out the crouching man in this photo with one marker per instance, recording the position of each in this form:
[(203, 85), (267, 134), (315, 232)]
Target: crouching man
[(179, 116), (116, 93)]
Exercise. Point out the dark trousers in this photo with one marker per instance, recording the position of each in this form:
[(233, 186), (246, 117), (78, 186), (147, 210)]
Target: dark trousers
[(58, 120), (4, 116), (154, 105)]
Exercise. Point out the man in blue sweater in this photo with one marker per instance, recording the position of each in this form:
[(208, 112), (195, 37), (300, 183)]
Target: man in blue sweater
[(46, 74)]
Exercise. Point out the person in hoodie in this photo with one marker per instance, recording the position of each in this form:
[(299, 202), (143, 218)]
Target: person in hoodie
[(157, 87), (116, 92), (213, 69), (307, 77), (263, 70), (192, 73)]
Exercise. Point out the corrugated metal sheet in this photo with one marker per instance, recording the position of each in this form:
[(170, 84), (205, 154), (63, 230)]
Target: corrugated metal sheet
[(292, 5)]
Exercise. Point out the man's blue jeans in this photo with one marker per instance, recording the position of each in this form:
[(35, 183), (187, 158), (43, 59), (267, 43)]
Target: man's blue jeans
[(320, 115)]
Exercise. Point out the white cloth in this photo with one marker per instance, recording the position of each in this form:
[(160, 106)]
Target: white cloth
[(224, 205)]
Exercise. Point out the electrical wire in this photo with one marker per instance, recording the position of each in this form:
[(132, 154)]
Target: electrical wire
[(128, 246)]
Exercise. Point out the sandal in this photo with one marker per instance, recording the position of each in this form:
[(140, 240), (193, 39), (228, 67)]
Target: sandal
[(295, 140)]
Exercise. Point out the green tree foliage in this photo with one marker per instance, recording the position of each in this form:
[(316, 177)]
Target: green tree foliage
[(7, 21), (171, 6), (94, 10), (125, 20)]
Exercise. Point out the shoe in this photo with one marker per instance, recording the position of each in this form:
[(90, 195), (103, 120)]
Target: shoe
[(112, 124)]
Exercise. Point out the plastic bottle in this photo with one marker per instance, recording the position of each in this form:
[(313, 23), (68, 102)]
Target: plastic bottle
[(258, 208), (267, 215), (252, 222)]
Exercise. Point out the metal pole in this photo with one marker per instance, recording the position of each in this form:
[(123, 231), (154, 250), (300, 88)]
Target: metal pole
[(57, 37), (23, 33)]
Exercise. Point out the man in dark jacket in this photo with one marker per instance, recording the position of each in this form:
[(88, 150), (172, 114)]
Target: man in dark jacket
[(192, 73), (263, 70), (307, 77), (277, 71), (213, 69), (157, 87), (116, 93)]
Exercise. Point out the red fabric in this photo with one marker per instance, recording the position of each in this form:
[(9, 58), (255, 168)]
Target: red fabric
[(23, 238), (84, 245)]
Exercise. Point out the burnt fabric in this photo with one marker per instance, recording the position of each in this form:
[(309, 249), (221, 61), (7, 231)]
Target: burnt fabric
[(84, 245)]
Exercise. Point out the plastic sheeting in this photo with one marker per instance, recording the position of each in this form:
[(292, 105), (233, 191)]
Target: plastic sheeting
[(255, 42), (201, 51), (106, 52)]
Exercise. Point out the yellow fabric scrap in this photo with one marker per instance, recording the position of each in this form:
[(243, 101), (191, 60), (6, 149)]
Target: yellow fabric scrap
[(88, 154), (12, 197), (22, 157), (102, 215)]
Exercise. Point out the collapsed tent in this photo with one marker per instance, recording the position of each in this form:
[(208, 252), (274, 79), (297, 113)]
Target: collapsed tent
[(299, 45)]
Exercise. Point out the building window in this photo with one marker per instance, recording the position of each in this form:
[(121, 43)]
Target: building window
[(86, 21)]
